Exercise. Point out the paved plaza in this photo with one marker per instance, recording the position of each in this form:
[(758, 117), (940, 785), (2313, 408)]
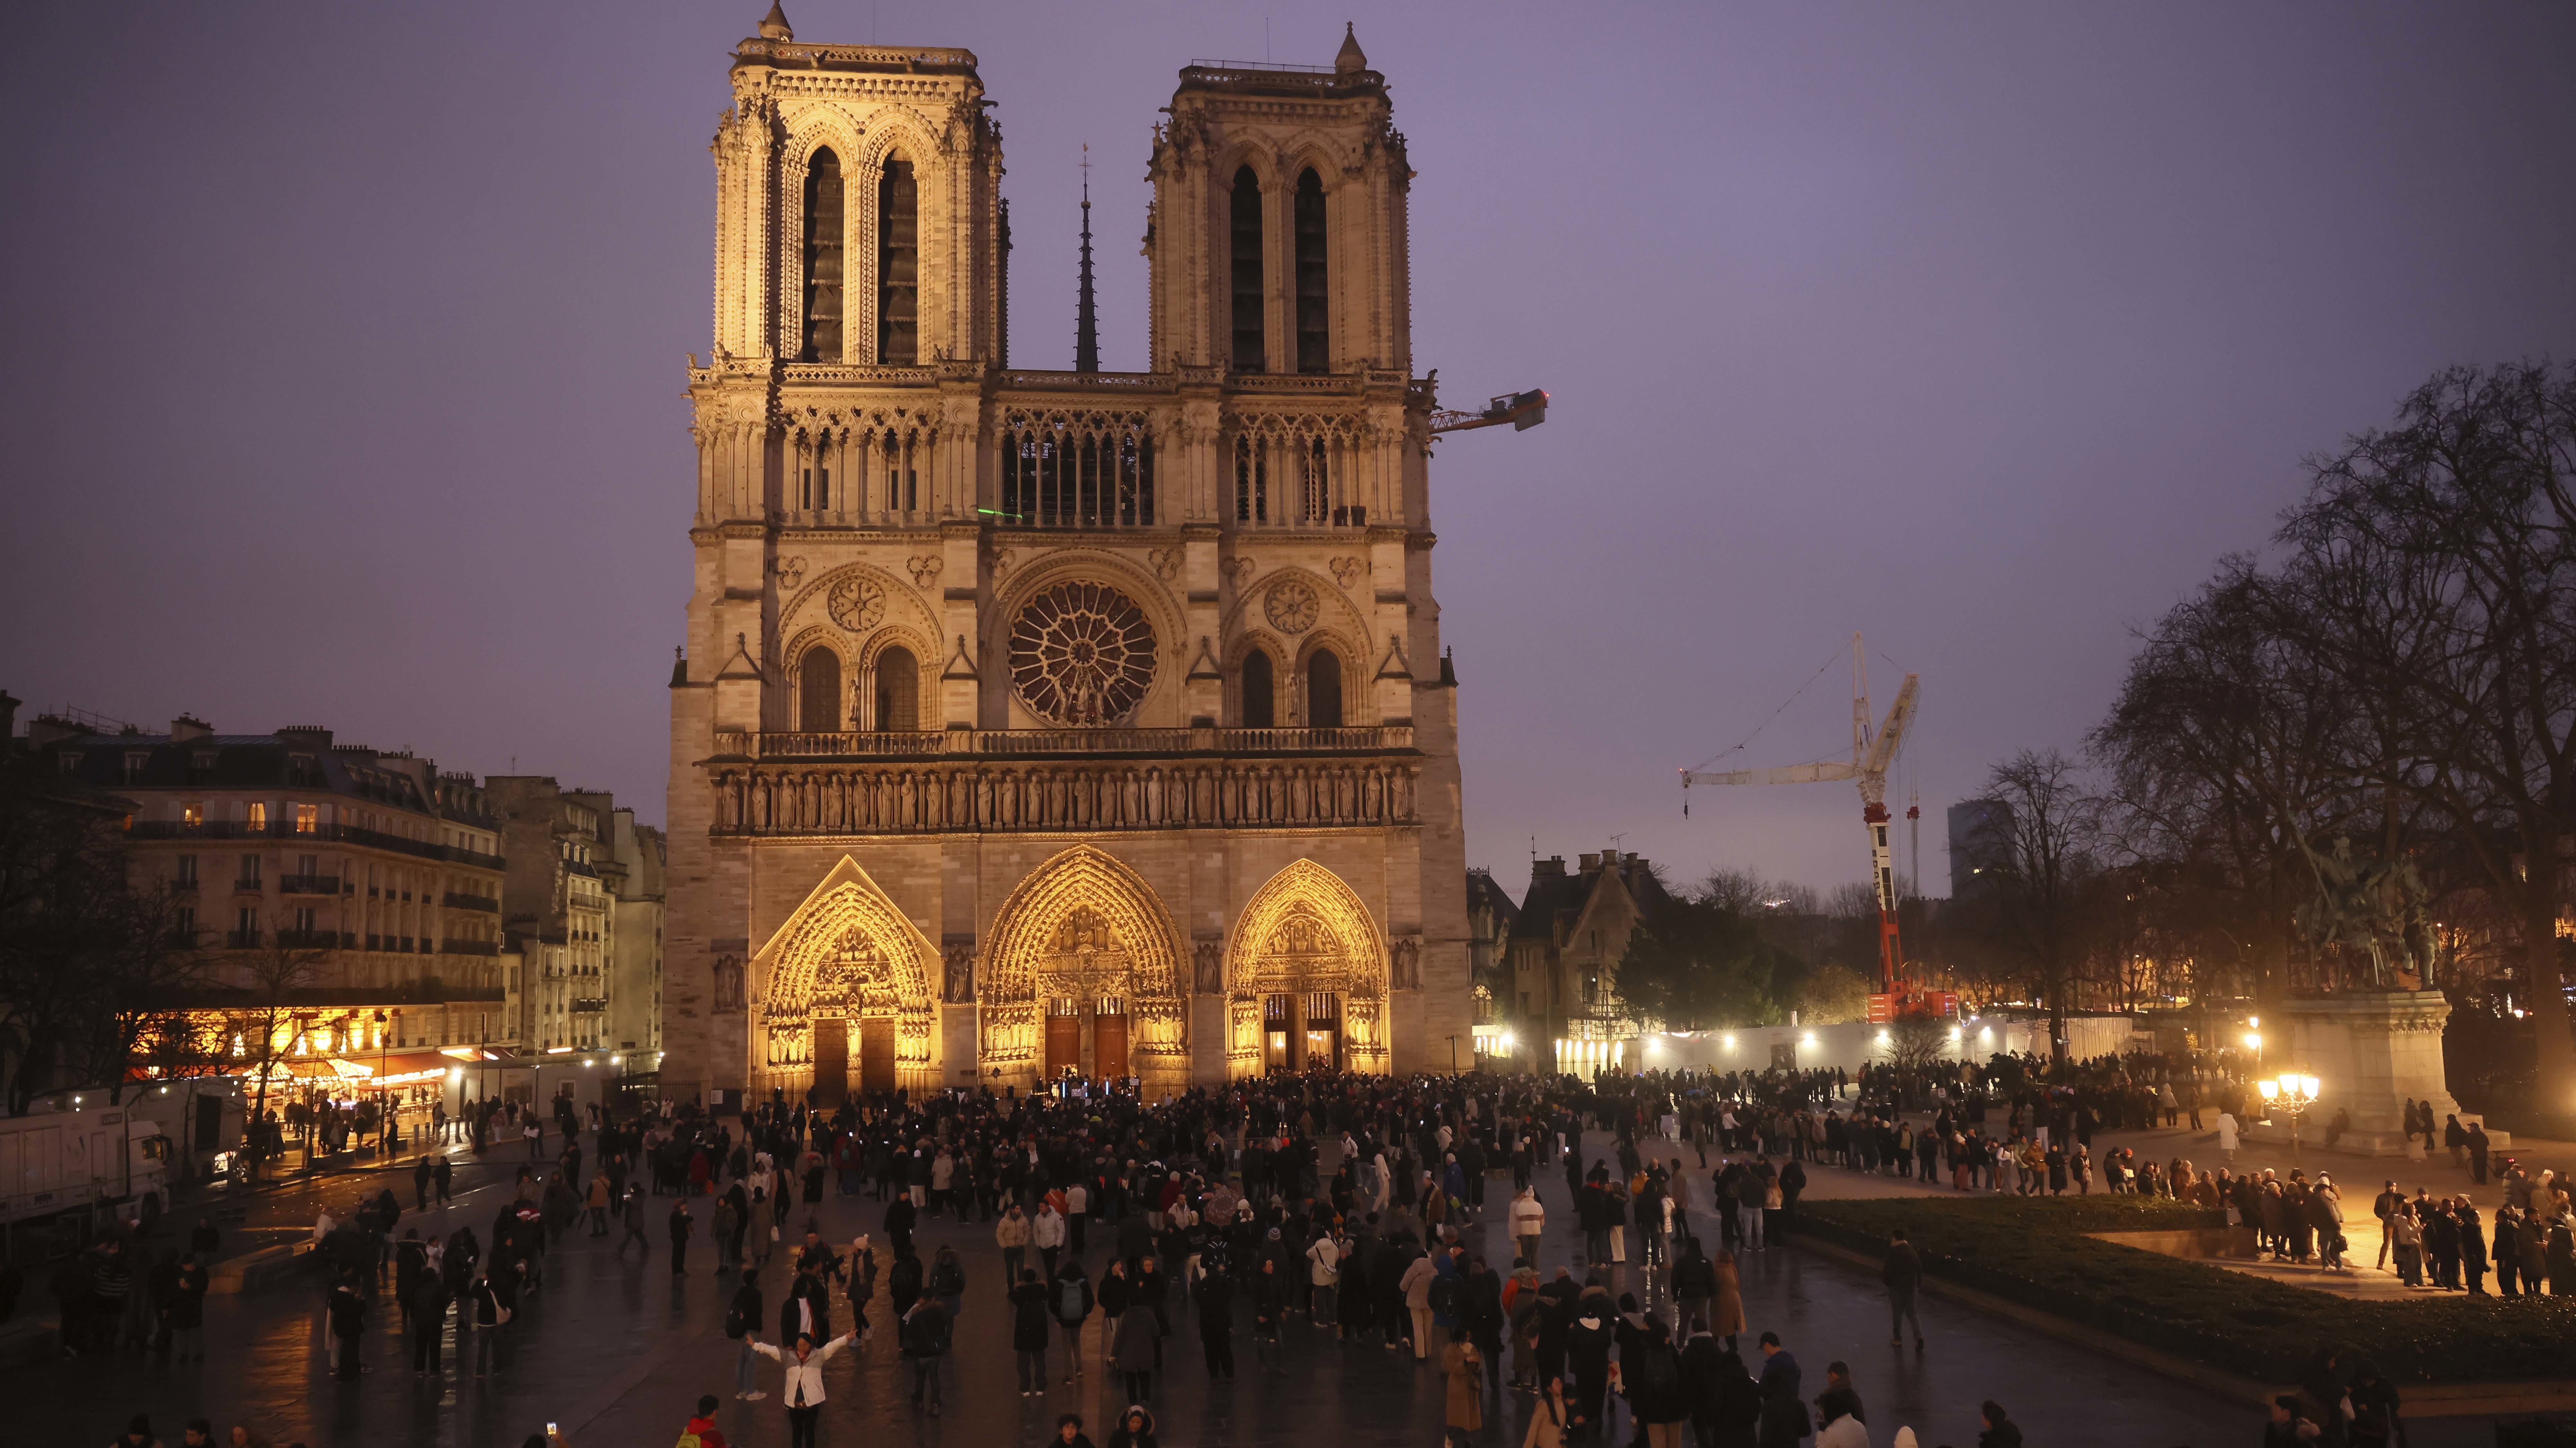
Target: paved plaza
[(616, 1351)]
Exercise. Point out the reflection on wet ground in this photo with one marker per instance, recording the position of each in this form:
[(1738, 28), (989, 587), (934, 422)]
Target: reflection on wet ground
[(617, 1350)]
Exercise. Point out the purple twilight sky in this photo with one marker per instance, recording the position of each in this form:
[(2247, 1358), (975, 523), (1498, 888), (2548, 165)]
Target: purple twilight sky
[(346, 342)]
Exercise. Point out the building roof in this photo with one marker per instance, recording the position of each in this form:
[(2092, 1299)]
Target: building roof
[(303, 760), (1557, 897)]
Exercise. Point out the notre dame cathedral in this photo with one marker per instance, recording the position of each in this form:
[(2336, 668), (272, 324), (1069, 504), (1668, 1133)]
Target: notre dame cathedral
[(1037, 722)]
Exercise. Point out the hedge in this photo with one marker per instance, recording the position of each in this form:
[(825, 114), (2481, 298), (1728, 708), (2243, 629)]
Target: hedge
[(2036, 1251)]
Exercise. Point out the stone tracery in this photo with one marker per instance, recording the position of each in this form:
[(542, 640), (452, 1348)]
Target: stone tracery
[(847, 953), (1307, 933), (1083, 926)]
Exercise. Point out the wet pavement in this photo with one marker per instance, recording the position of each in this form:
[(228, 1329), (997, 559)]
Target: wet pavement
[(617, 1350)]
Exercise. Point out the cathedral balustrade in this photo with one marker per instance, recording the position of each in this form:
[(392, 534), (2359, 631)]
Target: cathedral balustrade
[(1001, 796), (732, 744)]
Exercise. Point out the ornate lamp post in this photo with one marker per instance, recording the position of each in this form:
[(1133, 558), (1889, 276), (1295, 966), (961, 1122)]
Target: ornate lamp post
[(2293, 1093)]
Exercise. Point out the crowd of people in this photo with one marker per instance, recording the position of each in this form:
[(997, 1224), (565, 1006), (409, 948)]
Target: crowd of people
[(1319, 1204)]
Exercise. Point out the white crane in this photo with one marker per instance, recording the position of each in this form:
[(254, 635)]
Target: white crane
[(1871, 754)]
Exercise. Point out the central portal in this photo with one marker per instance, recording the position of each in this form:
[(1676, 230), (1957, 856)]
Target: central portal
[(1083, 979)]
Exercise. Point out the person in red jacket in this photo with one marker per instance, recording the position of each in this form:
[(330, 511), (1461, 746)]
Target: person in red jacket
[(704, 1425)]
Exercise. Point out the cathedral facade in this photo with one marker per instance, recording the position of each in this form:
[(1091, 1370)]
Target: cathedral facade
[(1038, 722)]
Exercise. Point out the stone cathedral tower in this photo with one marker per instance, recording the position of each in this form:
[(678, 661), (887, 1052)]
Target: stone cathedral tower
[(1035, 722)]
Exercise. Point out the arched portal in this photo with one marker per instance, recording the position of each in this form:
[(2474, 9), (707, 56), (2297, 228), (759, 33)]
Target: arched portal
[(1083, 974), (1306, 977), (845, 995)]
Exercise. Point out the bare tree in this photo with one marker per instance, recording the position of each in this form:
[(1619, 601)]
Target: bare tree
[(2435, 574), (2230, 744), (2035, 908), (1915, 1039), (276, 979)]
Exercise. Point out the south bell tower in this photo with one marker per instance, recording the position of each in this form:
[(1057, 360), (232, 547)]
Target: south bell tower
[(1036, 722)]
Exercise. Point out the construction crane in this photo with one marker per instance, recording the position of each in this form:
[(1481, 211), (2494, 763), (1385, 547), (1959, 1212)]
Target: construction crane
[(1872, 753), (1523, 410)]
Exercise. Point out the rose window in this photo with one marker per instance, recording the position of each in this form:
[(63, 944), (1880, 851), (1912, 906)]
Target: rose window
[(1291, 607), (857, 603), (1082, 653)]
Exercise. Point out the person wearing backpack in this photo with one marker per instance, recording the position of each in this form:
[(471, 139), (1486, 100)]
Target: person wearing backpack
[(701, 1432), (742, 1319), (1072, 1305), (925, 1336), (1653, 1384)]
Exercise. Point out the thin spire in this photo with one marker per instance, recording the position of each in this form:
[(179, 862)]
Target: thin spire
[(1086, 331)]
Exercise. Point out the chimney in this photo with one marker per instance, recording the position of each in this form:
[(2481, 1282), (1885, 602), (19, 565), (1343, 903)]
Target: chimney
[(8, 721), (187, 727), (1553, 867), (305, 736), (1609, 857), (1591, 863)]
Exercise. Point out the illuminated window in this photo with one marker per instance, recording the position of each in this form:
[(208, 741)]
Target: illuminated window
[(308, 818), (255, 816), (192, 814)]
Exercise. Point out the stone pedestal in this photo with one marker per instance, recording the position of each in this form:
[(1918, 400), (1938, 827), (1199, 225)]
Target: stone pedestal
[(2372, 1052)]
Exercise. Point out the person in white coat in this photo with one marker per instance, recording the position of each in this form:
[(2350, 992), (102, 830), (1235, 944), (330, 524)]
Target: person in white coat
[(1047, 1235), (1528, 1219), (803, 1390), (2227, 1137)]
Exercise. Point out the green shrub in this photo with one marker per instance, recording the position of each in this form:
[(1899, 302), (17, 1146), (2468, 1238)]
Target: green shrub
[(2037, 1251)]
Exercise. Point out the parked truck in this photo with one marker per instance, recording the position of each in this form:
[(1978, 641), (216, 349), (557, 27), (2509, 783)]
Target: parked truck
[(83, 1157)]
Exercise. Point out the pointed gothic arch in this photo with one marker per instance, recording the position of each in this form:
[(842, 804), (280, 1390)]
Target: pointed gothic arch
[(1089, 935), (847, 962), (1307, 964)]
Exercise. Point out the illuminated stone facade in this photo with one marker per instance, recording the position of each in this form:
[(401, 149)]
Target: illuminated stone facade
[(1031, 721)]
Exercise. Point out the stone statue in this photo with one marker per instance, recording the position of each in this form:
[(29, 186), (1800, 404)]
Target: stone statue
[(1207, 966), (2372, 914), (957, 956), (728, 982), (1404, 971)]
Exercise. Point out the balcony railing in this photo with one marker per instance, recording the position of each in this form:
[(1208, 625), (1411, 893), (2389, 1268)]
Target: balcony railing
[(469, 947), (590, 1006), (838, 797), (285, 829), (1043, 743), (454, 901), (309, 885)]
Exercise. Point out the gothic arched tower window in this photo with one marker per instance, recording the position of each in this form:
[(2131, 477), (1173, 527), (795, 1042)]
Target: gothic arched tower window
[(822, 259), (818, 692), (1323, 690), (1258, 712), (1251, 345), (898, 691), (898, 264), (1314, 311)]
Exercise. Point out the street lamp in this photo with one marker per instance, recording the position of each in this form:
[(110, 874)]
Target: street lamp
[(2293, 1093)]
